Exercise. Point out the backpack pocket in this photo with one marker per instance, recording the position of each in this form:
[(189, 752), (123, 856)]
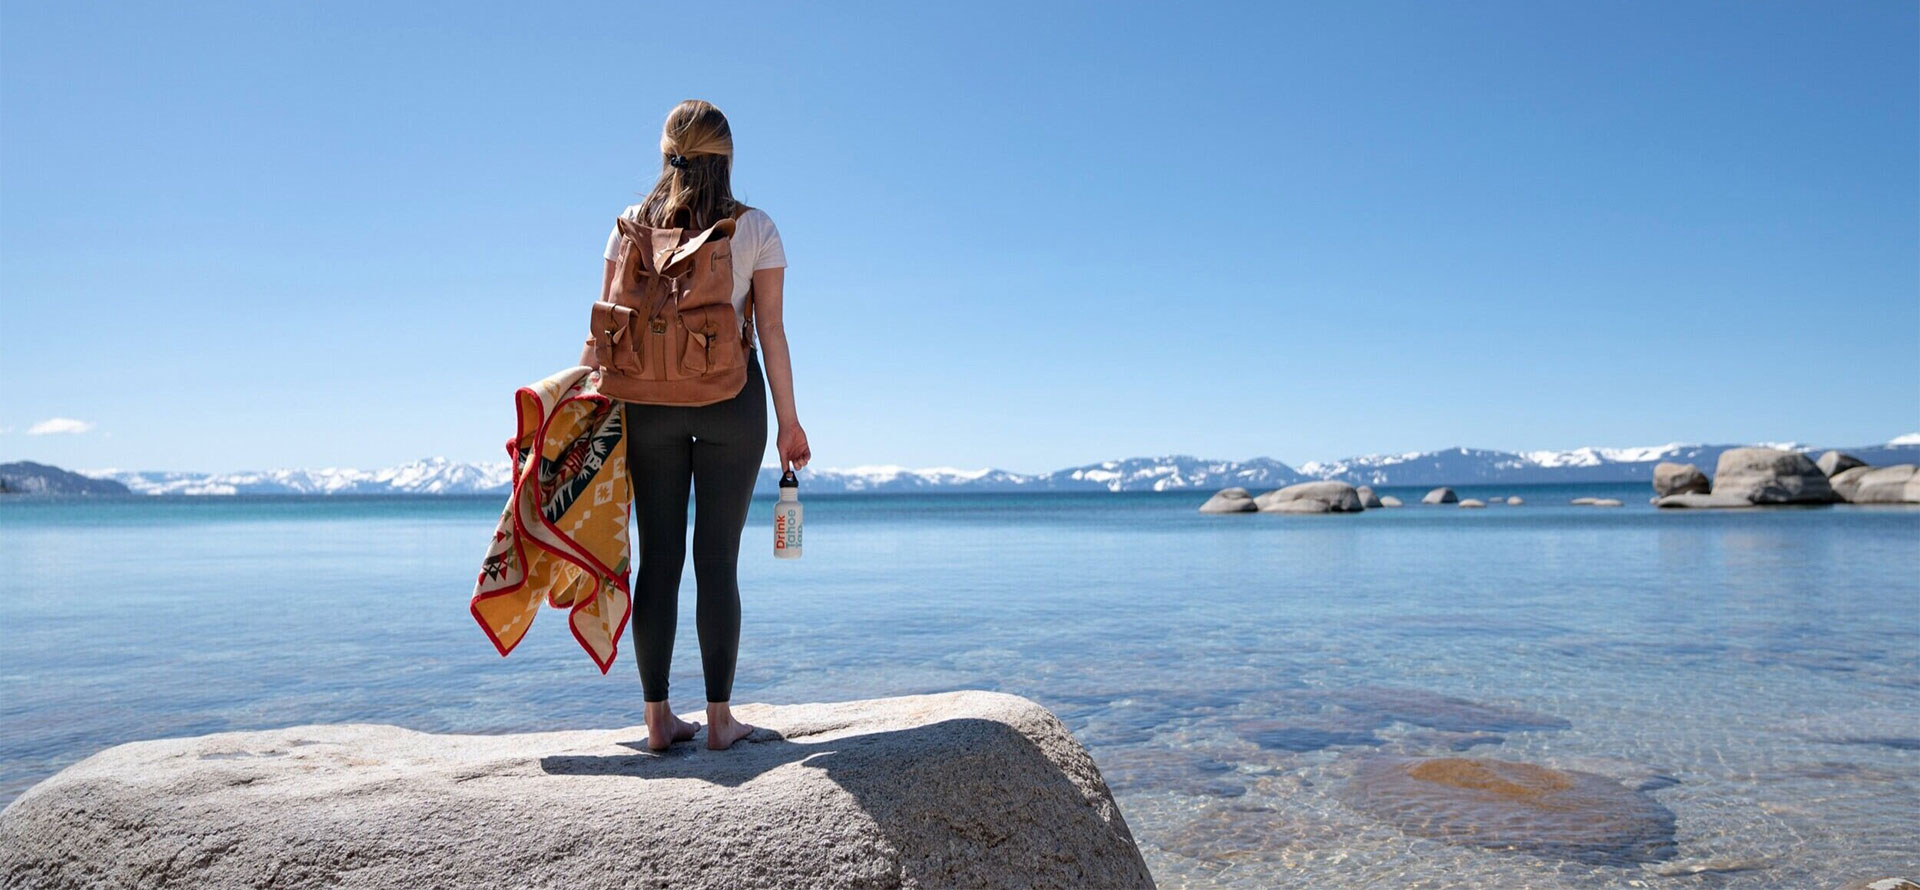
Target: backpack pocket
[(616, 337), (709, 340)]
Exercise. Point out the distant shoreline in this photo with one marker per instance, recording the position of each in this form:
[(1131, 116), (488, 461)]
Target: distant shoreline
[(1177, 472)]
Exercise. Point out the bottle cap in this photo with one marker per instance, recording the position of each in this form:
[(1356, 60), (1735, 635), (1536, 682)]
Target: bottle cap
[(787, 480)]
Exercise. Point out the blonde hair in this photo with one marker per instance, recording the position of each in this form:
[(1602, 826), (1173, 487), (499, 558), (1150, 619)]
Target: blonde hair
[(698, 189)]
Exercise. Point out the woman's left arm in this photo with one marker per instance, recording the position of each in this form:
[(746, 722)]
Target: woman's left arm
[(768, 285)]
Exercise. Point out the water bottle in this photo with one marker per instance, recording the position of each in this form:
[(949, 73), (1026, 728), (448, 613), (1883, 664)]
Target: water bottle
[(786, 518)]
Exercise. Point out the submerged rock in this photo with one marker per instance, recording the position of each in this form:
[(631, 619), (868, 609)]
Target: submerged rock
[(1309, 734), (1514, 501), (1882, 884), (1605, 502), (1389, 501), (1368, 499), (1886, 727), (953, 789), (1230, 500), (1672, 478), (1834, 461), (1442, 495), (1583, 502), (1313, 719), (1507, 805), (1473, 502), (1311, 497), (1180, 770), (1771, 476), (1443, 712)]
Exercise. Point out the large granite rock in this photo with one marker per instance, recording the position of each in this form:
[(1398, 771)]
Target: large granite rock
[(1671, 478), (1322, 497), (1389, 501), (1898, 484), (1834, 461), (1230, 500), (973, 789), (1368, 499), (1473, 502), (1771, 476), (1441, 496)]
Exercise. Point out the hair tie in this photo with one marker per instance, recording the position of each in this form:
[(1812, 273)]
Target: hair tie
[(678, 161)]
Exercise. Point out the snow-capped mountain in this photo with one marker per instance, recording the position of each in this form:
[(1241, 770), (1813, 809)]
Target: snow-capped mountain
[(1178, 472), (433, 475), (1171, 473), (1467, 466)]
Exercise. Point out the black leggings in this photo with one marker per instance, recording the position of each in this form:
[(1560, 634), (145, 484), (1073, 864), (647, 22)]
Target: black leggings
[(717, 448)]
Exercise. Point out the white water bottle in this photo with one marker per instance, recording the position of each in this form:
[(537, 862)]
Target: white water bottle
[(786, 518)]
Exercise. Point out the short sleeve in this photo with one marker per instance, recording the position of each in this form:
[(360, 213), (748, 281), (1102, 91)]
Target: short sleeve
[(613, 238), (772, 255)]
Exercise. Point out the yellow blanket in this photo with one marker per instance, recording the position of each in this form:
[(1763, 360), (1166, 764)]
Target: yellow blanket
[(563, 534)]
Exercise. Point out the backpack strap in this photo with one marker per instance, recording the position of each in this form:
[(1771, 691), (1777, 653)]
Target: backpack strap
[(746, 324)]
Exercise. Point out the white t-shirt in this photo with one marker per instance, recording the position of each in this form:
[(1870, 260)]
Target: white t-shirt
[(756, 245)]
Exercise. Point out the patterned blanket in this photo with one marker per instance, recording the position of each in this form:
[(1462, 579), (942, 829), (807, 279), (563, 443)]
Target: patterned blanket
[(563, 534)]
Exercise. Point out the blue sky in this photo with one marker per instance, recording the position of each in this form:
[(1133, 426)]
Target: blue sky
[(1028, 235)]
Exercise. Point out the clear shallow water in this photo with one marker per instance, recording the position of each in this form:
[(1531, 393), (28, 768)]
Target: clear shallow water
[(1758, 672)]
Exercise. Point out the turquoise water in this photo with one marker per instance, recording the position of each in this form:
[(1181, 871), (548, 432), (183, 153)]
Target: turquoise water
[(1756, 673)]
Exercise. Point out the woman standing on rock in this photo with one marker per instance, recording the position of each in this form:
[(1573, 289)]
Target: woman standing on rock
[(714, 448)]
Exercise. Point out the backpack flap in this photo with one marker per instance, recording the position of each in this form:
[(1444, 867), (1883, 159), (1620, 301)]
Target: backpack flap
[(676, 260)]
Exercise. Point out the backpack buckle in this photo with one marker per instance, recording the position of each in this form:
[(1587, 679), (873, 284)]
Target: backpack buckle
[(659, 325)]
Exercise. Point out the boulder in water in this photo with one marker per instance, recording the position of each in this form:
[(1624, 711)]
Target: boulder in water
[(1514, 501), (1605, 502), (970, 788), (1442, 495), (1508, 805), (1695, 500), (1368, 499), (1388, 500), (1834, 461), (1301, 505), (1473, 502), (1334, 497), (1771, 476), (1672, 478), (1898, 484), (1583, 502), (1230, 500)]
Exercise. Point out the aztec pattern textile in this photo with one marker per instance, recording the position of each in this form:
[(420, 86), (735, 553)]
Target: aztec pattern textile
[(563, 534)]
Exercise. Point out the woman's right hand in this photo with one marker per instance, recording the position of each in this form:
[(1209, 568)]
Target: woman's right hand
[(792, 443)]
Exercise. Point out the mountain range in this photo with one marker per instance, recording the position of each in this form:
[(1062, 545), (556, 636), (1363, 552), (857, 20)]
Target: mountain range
[(1452, 466)]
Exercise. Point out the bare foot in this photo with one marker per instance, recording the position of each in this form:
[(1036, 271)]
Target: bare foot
[(723, 730), (664, 727)]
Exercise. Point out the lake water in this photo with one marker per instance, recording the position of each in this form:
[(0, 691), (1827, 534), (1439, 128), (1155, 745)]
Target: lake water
[(1755, 675)]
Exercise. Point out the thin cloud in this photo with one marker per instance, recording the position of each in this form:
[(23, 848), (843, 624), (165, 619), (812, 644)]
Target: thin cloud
[(54, 425)]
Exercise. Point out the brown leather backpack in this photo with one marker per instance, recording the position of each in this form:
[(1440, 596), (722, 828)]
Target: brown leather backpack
[(668, 333)]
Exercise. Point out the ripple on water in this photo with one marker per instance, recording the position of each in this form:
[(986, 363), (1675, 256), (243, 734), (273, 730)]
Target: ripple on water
[(1507, 805)]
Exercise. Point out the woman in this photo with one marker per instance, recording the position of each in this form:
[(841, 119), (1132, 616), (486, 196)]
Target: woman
[(717, 448)]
